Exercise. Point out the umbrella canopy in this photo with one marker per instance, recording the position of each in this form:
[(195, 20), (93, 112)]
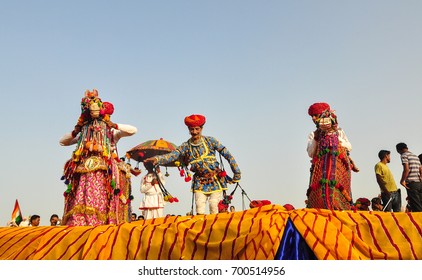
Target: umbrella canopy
[(150, 148)]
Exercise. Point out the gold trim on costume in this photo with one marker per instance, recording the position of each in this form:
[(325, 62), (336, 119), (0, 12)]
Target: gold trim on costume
[(91, 164), (86, 210)]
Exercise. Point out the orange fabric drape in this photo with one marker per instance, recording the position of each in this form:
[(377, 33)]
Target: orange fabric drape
[(253, 234)]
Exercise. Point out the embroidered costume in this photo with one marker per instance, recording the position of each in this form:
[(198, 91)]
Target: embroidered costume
[(328, 146), (98, 183), (209, 179)]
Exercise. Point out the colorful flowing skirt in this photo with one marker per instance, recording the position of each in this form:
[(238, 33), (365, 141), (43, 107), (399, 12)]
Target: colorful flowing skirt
[(88, 204), (330, 182)]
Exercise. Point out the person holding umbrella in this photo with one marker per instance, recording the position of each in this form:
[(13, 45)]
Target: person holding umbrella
[(210, 178)]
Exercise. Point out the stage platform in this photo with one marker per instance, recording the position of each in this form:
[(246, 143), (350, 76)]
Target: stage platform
[(265, 233)]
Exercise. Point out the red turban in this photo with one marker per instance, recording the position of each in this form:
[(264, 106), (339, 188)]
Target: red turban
[(195, 120), (288, 207), (363, 201), (222, 207), (318, 108), (258, 203), (108, 108)]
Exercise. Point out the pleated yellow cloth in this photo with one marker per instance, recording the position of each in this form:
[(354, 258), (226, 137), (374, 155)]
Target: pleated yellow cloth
[(348, 235), (253, 234)]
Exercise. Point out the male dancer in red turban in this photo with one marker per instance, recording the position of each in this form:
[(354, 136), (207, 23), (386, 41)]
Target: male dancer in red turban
[(209, 179)]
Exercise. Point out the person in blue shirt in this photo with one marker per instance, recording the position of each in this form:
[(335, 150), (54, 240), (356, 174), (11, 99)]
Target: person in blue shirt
[(210, 178)]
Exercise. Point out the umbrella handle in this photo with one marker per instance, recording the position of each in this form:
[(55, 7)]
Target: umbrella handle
[(160, 184)]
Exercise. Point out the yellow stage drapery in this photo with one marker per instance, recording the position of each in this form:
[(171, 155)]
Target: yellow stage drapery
[(253, 234)]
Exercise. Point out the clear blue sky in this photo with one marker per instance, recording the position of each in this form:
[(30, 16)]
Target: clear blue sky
[(251, 67)]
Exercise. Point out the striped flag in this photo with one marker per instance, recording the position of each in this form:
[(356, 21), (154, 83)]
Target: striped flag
[(17, 214)]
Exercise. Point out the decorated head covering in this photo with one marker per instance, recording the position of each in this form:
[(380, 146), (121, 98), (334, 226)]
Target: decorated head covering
[(259, 203), (363, 201), (289, 207), (318, 108), (90, 98), (195, 120), (108, 108), (222, 207)]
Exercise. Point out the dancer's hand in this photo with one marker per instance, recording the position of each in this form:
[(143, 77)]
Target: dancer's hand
[(317, 134), (236, 177), (76, 130), (112, 125)]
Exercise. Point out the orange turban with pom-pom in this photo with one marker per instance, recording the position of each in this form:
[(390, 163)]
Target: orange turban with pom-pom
[(195, 120)]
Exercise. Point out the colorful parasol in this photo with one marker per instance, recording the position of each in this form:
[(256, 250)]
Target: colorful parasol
[(149, 149), (154, 148)]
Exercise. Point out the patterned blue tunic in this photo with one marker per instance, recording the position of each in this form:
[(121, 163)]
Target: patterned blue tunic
[(201, 157)]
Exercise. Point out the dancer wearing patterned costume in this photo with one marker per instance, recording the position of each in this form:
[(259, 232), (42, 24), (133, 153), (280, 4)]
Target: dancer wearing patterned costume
[(328, 146), (209, 180), (96, 186)]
